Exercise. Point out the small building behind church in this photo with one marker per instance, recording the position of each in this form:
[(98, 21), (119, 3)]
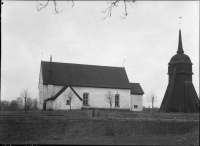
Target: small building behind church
[(75, 86)]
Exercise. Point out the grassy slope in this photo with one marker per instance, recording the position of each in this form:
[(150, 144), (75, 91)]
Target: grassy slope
[(99, 132)]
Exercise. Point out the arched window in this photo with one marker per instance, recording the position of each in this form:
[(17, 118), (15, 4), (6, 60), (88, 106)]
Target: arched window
[(86, 99), (116, 100)]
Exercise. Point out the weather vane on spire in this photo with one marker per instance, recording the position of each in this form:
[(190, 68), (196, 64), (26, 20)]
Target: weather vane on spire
[(180, 22), (41, 56), (124, 63)]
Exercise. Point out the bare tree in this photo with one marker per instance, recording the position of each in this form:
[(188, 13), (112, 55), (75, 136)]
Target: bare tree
[(29, 103), (109, 97), (25, 94), (69, 95), (152, 97), (20, 103), (107, 11), (35, 104)]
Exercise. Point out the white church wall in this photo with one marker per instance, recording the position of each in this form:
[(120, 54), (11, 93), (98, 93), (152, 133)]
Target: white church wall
[(61, 101), (49, 105), (45, 92), (97, 96), (40, 85), (50, 91), (56, 89), (136, 100), (40, 97)]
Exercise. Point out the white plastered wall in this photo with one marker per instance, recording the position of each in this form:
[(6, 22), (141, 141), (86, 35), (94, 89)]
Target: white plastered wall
[(60, 101), (40, 85), (44, 93), (50, 91), (56, 89), (97, 96), (136, 100)]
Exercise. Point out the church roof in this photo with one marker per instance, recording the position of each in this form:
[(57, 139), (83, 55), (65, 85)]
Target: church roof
[(136, 88), (65, 74), (180, 57)]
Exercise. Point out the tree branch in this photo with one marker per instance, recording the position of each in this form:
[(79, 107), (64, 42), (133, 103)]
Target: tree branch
[(108, 11), (42, 6), (56, 8)]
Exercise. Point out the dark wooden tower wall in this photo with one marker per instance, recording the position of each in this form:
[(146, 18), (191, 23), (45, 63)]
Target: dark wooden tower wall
[(184, 71), (180, 95)]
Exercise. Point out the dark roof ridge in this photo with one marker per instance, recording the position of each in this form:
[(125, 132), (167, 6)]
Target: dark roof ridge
[(84, 64)]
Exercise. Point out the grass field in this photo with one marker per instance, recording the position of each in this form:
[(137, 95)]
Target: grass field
[(54, 127), (99, 132)]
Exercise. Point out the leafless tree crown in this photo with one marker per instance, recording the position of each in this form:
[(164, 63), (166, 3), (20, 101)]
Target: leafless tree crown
[(25, 94), (152, 97), (41, 6), (109, 97), (112, 4), (69, 95), (107, 11)]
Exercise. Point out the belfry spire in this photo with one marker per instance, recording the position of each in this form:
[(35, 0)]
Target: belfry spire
[(180, 46), (180, 95)]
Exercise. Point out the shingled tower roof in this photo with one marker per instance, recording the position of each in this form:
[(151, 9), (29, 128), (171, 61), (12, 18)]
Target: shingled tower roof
[(180, 57)]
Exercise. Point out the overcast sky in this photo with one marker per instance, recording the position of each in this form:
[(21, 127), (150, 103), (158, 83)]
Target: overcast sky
[(146, 40)]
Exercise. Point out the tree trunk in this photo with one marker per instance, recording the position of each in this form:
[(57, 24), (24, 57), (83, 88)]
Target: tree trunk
[(25, 105), (152, 106)]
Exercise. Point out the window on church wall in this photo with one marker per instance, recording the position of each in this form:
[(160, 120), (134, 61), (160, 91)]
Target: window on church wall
[(86, 99), (116, 100), (135, 106), (68, 102)]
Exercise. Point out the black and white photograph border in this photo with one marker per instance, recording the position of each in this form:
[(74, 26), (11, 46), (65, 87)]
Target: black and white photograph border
[(99, 41)]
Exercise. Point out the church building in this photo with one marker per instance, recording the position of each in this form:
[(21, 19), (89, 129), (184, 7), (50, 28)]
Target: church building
[(180, 95), (75, 86)]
